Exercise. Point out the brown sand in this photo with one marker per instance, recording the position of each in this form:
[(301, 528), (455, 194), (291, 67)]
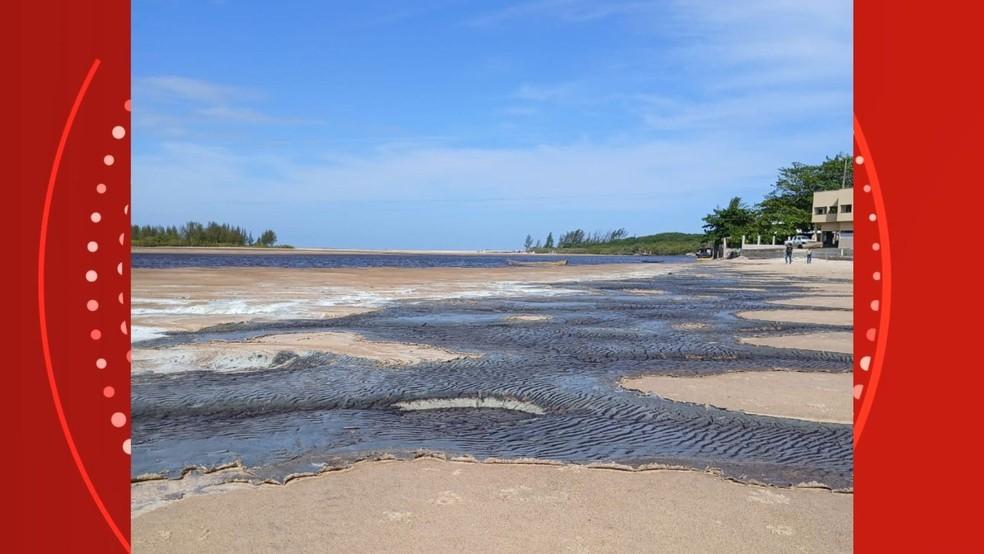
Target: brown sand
[(793, 394), (842, 342), (822, 317), (776, 266), (833, 283), (818, 301), (261, 351), (432, 506)]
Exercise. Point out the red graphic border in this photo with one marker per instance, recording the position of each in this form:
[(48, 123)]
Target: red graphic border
[(917, 121), (69, 188)]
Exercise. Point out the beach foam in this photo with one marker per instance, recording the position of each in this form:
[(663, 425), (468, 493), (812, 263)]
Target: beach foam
[(473, 403)]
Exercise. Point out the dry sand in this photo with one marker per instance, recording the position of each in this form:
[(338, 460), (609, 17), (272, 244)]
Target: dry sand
[(821, 317), (823, 269), (819, 301), (840, 341), (432, 506), (261, 352), (833, 282), (811, 396)]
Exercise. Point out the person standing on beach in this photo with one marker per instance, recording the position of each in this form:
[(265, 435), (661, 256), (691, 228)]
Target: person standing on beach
[(809, 256), (789, 253)]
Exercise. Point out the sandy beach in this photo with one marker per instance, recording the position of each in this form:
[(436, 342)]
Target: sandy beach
[(431, 505), (436, 506)]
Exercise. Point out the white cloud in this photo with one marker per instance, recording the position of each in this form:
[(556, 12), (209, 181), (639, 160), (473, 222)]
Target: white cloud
[(172, 105), (187, 88)]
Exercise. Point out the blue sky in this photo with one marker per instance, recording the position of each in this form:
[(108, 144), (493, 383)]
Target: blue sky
[(452, 124)]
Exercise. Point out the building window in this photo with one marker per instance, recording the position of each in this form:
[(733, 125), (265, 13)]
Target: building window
[(846, 209), (833, 210), (820, 211)]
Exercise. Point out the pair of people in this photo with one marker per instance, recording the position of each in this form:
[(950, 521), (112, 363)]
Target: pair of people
[(789, 255)]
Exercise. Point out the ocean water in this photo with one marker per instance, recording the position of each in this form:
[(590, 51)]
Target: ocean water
[(308, 260)]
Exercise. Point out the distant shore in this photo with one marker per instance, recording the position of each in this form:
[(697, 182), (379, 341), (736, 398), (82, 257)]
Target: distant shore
[(310, 250), (218, 250)]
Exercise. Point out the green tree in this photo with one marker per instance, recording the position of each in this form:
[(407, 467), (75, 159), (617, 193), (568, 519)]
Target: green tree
[(735, 220), (549, 242), (267, 238), (528, 243), (788, 207)]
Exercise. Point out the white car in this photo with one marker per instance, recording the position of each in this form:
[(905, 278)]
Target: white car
[(803, 241)]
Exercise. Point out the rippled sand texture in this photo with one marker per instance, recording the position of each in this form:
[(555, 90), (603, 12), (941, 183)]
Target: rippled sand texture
[(270, 351), (298, 403), (431, 506)]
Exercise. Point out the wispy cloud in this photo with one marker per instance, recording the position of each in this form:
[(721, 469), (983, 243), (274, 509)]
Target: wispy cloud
[(186, 88), (565, 10), (171, 105)]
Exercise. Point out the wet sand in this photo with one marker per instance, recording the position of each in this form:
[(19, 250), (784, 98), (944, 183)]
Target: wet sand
[(190, 299), (256, 250), (812, 396), (432, 506), (261, 352)]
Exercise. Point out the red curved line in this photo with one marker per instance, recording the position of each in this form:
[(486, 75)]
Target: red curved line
[(886, 280), (45, 348)]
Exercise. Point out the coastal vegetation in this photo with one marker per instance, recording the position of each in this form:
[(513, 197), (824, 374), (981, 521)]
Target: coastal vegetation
[(787, 208), (784, 211), (617, 242), (197, 234)]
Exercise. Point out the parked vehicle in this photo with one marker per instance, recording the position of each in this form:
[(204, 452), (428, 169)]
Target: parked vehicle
[(804, 241)]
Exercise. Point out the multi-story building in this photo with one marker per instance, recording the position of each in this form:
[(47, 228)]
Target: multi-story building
[(833, 217)]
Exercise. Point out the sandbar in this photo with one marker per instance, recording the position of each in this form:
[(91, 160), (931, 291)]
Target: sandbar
[(813, 396)]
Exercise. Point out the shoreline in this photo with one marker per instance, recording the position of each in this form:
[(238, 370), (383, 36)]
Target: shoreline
[(218, 250)]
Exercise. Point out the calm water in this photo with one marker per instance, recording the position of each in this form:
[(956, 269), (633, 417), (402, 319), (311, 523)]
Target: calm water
[(154, 260)]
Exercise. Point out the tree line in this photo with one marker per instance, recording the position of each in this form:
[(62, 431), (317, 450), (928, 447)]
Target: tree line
[(574, 239), (787, 209), (197, 234), (615, 242)]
